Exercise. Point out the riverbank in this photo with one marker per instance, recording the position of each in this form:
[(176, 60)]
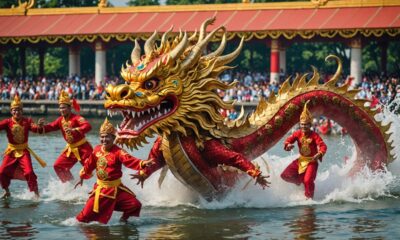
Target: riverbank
[(89, 108)]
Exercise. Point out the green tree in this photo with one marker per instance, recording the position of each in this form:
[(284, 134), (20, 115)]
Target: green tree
[(143, 2), (302, 55), (8, 3)]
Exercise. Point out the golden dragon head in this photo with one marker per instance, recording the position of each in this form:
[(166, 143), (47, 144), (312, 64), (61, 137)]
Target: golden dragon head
[(172, 87)]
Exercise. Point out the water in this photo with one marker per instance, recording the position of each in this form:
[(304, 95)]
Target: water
[(365, 206)]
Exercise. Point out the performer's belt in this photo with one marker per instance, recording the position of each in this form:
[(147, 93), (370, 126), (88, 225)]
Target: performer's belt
[(73, 148), (18, 152), (104, 184), (303, 163)]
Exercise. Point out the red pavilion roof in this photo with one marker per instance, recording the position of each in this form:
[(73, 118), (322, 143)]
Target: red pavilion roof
[(39, 24)]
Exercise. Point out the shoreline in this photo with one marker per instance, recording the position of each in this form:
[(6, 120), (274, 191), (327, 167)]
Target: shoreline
[(89, 108)]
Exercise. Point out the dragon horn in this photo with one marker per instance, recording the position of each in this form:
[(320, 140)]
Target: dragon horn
[(149, 45), (219, 50), (135, 55), (338, 70), (164, 37), (197, 49), (222, 60), (203, 28), (193, 37), (178, 50)]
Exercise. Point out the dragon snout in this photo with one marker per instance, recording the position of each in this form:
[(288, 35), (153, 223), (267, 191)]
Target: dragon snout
[(119, 92)]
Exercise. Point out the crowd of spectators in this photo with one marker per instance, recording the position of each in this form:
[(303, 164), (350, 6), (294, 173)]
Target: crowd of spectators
[(47, 88), (251, 85)]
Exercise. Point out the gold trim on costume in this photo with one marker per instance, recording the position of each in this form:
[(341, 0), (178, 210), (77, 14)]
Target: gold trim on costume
[(73, 148), (18, 152), (65, 124), (303, 163), (17, 132), (104, 184)]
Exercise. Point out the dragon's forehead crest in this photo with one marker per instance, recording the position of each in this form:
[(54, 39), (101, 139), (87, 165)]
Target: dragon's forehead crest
[(156, 58)]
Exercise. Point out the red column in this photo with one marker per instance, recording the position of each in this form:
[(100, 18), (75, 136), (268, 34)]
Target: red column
[(1, 64), (274, 76)]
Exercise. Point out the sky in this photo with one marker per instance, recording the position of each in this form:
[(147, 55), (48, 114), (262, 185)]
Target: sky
[(120, 3)]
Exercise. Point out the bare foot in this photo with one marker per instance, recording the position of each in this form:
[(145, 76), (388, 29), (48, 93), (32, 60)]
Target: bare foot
[(6, 194)]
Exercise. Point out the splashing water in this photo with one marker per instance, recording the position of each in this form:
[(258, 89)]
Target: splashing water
[(333, 184)]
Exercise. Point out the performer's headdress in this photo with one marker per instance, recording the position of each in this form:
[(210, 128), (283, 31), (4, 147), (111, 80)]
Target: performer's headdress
[(107, 128), (16, 103), (64, 99), (306, 116)]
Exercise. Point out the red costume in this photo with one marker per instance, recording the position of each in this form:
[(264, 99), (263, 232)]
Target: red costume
[(304, 169), (77, 149), (109, 193), (17, 163)]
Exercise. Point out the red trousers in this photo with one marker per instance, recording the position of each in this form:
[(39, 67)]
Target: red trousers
[(124, 202), (63, 164), (291, 174), (18, 168)]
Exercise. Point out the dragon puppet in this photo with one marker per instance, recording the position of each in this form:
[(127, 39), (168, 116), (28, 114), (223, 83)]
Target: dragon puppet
[(172, 92)]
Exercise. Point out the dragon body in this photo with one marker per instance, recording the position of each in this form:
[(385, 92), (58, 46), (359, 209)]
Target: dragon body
[(172, 91)]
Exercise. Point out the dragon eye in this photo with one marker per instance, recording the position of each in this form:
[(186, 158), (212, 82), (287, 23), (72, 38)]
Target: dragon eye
[(150, 84)]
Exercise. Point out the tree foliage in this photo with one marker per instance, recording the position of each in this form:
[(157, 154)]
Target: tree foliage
[(52, 3), (143, 2)]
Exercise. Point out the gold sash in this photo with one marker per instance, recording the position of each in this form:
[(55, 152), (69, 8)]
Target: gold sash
[(104, 184), (303, 163), (73, 148), (18, 152)]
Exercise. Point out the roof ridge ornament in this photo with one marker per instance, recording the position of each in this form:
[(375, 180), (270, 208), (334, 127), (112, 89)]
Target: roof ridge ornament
[(102, 3), (25, 5), (319, 2)]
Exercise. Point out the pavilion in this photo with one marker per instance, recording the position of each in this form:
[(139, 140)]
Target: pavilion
[(353, 22)]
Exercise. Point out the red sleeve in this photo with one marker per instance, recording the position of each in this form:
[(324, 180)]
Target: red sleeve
[(90, 165), (129, 161), (214, 150), (320, 144), (4, 124), (53, 126), (157, 157), (292, 138), (84, 125), (33, 127)]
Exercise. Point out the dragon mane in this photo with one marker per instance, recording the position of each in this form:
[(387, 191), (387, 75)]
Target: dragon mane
[(182, 69)]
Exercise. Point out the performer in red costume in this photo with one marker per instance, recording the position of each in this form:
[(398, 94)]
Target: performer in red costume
[(312, 148), (109, 193), (17, 163), (73, 128)]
